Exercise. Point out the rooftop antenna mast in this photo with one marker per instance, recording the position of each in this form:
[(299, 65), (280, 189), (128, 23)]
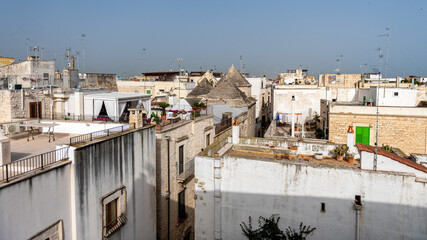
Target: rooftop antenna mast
[(26, 46), (386, 53), (68, 58), (241, 65), (84, 50), (377, 103), (338, 63)]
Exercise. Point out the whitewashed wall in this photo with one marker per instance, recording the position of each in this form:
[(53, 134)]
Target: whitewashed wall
[(31, 205), (394, 205)]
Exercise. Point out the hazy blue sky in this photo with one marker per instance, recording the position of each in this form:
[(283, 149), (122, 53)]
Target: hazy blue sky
[(272, 36)]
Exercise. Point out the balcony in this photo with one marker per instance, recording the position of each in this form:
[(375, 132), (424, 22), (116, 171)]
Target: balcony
[(186, 171)]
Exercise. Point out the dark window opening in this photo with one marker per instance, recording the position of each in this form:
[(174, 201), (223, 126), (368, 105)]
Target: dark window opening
[(111, 214), (358, 200), (322, 207), (181, 159), (208, 140), (181, 205), (396, 94)]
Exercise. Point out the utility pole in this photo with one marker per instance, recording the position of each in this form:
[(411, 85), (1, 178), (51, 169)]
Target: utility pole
[(143, 60), (84, 52), (377, 103)]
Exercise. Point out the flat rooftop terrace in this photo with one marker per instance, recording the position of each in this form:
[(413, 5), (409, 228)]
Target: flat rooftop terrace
[(21, 148), (262, 156)]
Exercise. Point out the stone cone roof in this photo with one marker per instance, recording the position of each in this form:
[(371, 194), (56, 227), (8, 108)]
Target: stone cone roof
[(210, 77), (203, 88), (234, 76), (227, 93)]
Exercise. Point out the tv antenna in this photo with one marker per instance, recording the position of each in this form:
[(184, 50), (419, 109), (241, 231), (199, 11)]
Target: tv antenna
[(241, 65), (338, 63), (84, 50), (377, 103), (386, 54)]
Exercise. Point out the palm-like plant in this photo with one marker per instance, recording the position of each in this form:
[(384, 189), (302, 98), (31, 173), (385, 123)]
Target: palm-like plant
[(164, 105)]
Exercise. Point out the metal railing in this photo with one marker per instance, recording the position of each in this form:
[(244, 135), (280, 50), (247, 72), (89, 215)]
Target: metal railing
[(115, 225), (26, 165), (99, 134), (187, 170)]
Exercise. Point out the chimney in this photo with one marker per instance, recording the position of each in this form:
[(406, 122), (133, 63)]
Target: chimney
[(350, 139), (236, 132), (5, 154), (79, 103), (136, 117)]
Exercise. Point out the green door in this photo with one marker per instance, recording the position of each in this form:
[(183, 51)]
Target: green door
[(363, 135)]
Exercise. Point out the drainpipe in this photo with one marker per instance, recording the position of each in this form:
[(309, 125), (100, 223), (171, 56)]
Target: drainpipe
[(169, 188), (358, 206)]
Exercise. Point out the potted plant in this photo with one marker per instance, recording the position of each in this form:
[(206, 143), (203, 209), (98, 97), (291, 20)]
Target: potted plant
[(349, 157), (318, 156), (340, 151)]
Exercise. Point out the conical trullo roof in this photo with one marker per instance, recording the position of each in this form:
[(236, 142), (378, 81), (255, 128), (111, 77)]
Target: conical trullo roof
[(234, 76), (203, 88), (210, 77)]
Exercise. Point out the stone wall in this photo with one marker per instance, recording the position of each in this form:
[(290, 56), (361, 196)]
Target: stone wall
[(192, 134), (5, 110), (132, 86), (102, 80), (409, 133)]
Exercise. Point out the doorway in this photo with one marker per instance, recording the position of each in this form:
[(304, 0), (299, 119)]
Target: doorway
[(33, 109)]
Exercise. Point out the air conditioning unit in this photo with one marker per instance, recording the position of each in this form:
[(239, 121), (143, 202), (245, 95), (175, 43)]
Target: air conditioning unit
[(15, 86), (11, 128)]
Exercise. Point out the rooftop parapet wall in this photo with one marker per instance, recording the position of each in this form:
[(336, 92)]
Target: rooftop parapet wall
[(368, 110)]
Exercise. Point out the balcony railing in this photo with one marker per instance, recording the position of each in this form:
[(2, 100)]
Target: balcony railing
[(17, 168), (187, 171), (99, 134), (115, 225)]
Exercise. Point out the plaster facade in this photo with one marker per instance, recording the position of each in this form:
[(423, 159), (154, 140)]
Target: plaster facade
[(230, 189)]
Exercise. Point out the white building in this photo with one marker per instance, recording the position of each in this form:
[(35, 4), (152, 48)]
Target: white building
[(90, 190), (110, 105), (238, 181), (33, 72)]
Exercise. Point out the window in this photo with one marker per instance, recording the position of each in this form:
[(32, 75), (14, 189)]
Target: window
[(208, 140), (111, 214), (363, 135), (322, 207), (181, 159), (148, 91), (181, 206), (45, 76), (113, 211), (357, 200), (396, 94)]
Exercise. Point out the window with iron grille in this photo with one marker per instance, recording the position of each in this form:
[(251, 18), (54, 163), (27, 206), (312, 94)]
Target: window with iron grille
[(113, 211)]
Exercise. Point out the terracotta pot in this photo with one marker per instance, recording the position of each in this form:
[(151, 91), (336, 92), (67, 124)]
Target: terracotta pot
[(293, 148), (340, 158), (350, 160), (158, 127)]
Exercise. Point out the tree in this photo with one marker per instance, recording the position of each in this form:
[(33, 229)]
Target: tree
[(269, 230)]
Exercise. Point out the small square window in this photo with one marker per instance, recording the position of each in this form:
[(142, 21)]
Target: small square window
[(396, 94), (148, 91), (113, 211)]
